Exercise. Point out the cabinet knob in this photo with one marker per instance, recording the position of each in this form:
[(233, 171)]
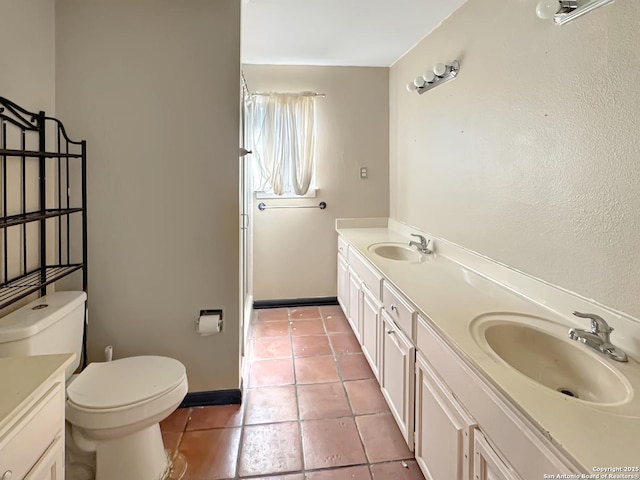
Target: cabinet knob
[(7, 475), (389, 331), (393, 307)]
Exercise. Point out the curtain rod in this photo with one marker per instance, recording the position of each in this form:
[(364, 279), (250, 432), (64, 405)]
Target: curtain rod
[(266, 94)]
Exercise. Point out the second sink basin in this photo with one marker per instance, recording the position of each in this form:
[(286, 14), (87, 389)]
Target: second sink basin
[(396, 251), (554, 362)]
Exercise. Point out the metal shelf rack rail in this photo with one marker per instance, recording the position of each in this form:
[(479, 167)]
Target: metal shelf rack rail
[(32, 148)]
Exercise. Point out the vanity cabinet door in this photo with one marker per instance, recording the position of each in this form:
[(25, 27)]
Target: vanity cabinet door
[(51, 465), (343, 279), (371, 330), (397, 375), (487, 464), (354, 303), (444, 430)]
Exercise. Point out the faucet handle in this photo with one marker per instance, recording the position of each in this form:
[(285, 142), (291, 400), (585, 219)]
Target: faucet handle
[(419, 236), (598, 324)]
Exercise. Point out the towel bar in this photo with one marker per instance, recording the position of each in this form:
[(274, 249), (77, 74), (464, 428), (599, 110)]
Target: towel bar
[(262, 206)]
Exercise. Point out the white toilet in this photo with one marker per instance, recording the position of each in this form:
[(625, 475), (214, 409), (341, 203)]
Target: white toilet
[(114, 408)]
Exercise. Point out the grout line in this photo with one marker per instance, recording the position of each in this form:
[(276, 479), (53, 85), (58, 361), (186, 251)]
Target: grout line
[(295, 389), (355, 421), (239, 454), (178, 443)]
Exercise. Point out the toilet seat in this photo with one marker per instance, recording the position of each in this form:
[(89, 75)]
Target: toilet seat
[(124, 382), (124, 392)]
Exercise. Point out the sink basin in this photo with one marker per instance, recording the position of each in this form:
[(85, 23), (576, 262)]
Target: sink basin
[(396, 251), (556, 363)]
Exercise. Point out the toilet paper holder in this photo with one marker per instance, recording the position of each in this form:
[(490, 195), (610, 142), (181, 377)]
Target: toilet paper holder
[(206, 327)]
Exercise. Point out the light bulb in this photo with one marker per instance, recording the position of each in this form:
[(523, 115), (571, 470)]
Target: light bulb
[(547, 8), (419, 82), (411, 87), (429, 76), (440, 69)]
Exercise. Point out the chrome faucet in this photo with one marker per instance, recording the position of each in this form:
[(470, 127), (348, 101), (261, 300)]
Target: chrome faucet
[(598, 337), (423, 245)]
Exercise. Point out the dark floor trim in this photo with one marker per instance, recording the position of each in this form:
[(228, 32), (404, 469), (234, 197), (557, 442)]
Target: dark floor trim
[(295, 302), (214, 397)]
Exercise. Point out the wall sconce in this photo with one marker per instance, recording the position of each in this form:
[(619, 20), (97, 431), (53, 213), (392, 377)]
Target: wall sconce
[(440, 74), (563, 11)]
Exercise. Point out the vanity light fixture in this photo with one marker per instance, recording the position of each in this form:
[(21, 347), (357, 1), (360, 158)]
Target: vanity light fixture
[(432, 78), (563, 11)]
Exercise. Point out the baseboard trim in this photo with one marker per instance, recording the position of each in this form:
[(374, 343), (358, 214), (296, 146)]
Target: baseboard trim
[(213, 397), (294, 302)]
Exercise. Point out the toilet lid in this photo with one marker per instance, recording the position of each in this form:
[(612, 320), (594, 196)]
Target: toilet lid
[(125, 381)]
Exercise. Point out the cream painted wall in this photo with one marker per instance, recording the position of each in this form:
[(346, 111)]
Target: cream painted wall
[(27, 57), (531, 155), (295, 249), (153, 86)]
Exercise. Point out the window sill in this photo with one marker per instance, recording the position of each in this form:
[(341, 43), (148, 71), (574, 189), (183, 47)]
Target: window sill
[(312, 193)]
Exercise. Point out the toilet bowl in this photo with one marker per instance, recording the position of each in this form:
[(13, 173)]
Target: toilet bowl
[(114, 409)]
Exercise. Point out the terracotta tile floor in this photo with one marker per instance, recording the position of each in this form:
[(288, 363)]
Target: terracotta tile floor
[(311, 410)]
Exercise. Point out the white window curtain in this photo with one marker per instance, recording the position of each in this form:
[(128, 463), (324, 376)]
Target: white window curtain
[(282, 135)]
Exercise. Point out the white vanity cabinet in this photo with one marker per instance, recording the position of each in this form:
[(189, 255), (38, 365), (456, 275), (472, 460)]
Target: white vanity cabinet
[(32, 417), (444, 431), (397, 364), (465, 428)]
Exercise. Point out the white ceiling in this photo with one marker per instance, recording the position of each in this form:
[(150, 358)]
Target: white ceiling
[(337, 32)]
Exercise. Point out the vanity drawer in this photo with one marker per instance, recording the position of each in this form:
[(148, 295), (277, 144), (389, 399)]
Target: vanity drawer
[(32, 434), (400, 311), (343, 247), (369, 276)]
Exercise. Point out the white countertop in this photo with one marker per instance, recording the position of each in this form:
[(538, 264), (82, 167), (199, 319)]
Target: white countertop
[(452, 296), (21, 377)]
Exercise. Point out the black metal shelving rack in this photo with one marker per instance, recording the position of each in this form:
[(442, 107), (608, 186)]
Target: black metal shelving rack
[(25, 276)]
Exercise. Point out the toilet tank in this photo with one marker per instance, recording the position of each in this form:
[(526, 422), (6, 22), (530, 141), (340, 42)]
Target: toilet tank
[(49, 325)]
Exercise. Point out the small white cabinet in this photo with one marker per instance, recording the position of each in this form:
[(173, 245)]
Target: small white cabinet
[(444, 430), (487, 464), (362, 277), (343, 279), (397, 375), (399, 309), (354, 307), (32, 417), (371, 328), (30, 441), (51, 464)]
